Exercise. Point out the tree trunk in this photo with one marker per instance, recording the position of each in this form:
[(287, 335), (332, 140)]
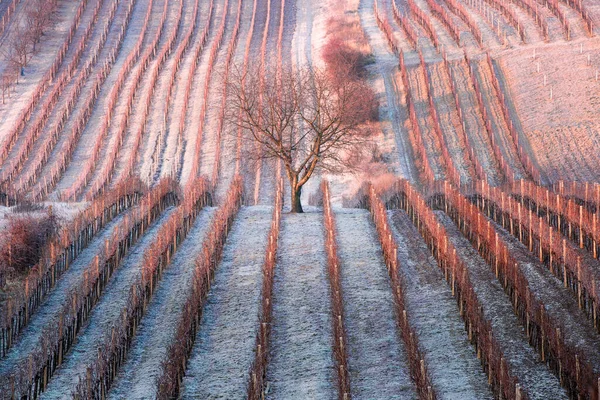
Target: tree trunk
[(295, 198)]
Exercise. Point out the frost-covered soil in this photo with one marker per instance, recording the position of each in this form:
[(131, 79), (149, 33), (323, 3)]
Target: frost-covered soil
[(473, 122), (191, 128), (224, 349), (84, 148), (38, 65), (376, 355), (560, 303), (433, 313), (137, 377), (393, 116), (47, 313), (301, 359), (105, 315), (501, 134), (533, 374)]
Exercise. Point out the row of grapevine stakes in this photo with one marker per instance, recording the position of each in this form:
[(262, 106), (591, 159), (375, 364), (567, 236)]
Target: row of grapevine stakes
[(531, 8), (576, 374), (181, 49), (35, 127), (415, 135), (58, 254), (41, 187), (480, 333), (438, 11), (90, 164), (12, 78), (179, 350), (258, 370), (452, 173), (262, 73), (560, 255), (458, 9), (30, 379), (244, 71), (104, 177), (418, 369), (101, 373), (7, 16), (159, 63), (195, 169), (585, 193), (528, 163), (507, 171), (573, 220), (221, 119), (416, 139), (479, 170), (340, 338), (404, 23), (424, 20), (510, 15), (211, 62), (44, 187)]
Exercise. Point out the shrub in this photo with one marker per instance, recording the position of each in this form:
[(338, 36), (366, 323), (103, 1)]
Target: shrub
[(22, 246)]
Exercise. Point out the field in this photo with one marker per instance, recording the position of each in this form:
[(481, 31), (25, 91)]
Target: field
[(151, 251)]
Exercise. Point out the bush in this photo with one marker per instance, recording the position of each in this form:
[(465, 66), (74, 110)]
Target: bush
[(24, 242), (342, 59)]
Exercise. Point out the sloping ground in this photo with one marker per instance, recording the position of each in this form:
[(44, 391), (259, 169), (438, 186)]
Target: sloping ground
[(376, 356), (533, 374), (502, 135), (103, 316), (224, 348), (52, 39), (301, 359), (456, 373), (54, 302), (473, 122), (138, 375), (561, 304)]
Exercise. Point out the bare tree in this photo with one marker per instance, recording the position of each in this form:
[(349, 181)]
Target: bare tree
[(19, 51), (38, 19), (307, 119)]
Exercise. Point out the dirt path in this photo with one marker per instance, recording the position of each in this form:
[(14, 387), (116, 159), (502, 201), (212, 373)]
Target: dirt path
[(105, 315), (376, 355), (224, 349), (137, 377), (301, 359), (452, 361), (533, 374), (55, 300)]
